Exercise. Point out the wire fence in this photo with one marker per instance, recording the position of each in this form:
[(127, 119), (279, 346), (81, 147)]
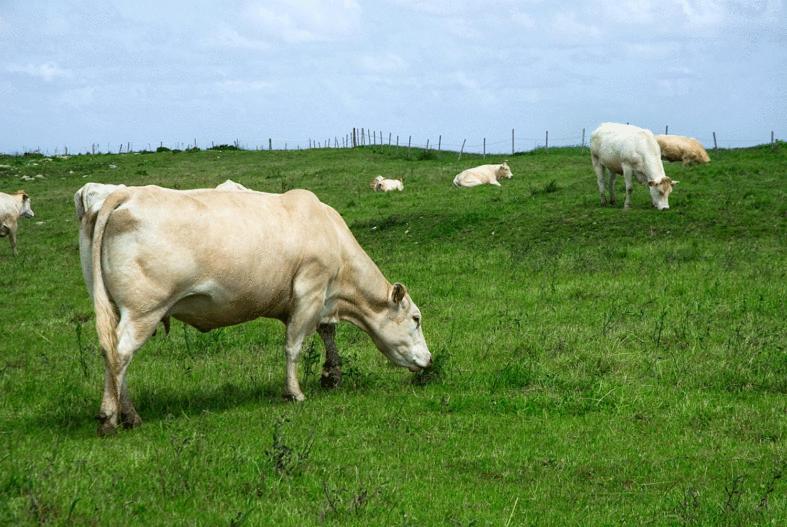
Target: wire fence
[(363, 137)]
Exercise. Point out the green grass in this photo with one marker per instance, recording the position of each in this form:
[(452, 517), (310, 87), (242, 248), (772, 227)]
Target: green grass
[(593, 366)]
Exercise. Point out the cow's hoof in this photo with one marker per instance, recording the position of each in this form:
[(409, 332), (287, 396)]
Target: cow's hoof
[(107, 426), (294, 397), (612, 203), (130, 420), (331, 378)]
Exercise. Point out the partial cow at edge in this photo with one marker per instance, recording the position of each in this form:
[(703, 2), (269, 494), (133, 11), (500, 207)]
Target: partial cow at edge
[(13, 207), (483, 175), (631, 151), (213, 258), (682, 148)]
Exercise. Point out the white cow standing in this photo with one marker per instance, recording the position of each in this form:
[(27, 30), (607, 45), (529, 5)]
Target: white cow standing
[(483, 175), (216, 258), (387, 185), (631, 151), (13, 207)]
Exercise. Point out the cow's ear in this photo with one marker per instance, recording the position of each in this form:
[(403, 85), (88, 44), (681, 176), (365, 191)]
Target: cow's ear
[(397, 293)]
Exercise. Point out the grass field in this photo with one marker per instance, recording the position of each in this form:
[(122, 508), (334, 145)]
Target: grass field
[(593, 366)]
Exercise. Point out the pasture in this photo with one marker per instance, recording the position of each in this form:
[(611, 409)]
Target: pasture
[(592, 366)]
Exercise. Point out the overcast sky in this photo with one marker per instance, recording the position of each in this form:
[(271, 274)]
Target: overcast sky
[(76, 73)]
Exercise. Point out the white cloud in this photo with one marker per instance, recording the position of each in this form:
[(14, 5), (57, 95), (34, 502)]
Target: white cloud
[(385, 63), (244, 86), (230, 38), (297, 21), (47, 71)]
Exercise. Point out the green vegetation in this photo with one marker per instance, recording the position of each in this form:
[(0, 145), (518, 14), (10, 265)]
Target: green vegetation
[(592, 366)]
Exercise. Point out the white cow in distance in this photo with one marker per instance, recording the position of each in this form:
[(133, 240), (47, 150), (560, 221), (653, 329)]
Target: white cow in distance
[(631, 151), (483, 175), (216, 258), (12, 207), (387, 185), (682, 148)]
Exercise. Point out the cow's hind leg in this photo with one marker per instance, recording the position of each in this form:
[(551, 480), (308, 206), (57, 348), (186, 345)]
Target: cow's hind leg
[(612, 198), (599, 169), (116, 406), (332, 369)]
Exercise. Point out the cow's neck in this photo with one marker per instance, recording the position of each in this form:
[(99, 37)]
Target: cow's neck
[(362, 292)]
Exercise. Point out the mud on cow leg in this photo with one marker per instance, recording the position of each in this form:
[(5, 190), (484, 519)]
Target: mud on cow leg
[(332, 369)]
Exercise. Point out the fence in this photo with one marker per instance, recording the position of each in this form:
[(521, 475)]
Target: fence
[(362, 136)]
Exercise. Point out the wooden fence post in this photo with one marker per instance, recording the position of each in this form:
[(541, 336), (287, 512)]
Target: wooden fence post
[(666, 129), (397, 141), (583, 138), (773, 140), (427, 144), (715, 147), (461, 150), (389, 138), (368, 136), (439, 142), (546, 140), (270, 144), (409, 142), (512, 141), (484, 150)]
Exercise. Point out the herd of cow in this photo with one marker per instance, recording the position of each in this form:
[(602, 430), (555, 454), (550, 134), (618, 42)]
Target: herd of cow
[(218, 257)]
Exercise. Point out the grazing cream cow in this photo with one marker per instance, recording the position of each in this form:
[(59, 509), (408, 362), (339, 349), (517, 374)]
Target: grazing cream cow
[(631, 151), (483, 175), (216, 258), (682, 148), (13, 207), (387, 185)]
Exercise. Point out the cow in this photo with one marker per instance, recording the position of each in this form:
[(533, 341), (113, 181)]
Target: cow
[(483, 175), (214, 258), (387, 185), (12, 207), (631, 151), (682, 148), (231, 185)]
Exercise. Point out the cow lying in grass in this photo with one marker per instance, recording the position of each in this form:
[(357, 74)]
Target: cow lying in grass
[(13, 207), (387, 185), (682, 148), (215, 258), (631, 151), (483, 175)]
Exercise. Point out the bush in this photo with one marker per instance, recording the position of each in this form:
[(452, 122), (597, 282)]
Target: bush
[(163, 149)]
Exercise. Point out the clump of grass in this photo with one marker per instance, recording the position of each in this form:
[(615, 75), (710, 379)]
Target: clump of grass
[(436, 372), (547, 188), (287, 459), (426, 155)]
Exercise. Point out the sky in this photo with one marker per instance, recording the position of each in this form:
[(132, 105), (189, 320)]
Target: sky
[(109, 72)]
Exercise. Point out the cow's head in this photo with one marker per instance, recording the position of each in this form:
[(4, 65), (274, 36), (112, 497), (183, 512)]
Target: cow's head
[(504, 171), (398, 332), (26, 210), (660, 191)]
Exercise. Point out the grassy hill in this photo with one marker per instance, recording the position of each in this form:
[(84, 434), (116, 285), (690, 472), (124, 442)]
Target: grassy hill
[(593, 365)]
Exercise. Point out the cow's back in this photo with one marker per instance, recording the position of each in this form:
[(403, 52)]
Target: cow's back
[(615, 144), (221, 257)]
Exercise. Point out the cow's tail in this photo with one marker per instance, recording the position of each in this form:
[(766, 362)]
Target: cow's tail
[(106, 315)]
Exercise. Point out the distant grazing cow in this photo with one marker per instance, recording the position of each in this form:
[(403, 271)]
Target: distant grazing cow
[(629, 150), (216, 258), (387, 185), (13, 207), (682, 148), (483, 175)]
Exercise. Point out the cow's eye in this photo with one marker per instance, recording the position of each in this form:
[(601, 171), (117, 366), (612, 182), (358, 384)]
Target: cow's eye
[(417, 320)]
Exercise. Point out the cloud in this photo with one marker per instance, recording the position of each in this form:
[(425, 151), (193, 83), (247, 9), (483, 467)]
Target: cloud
[(230, 38), (47, 71), (298, 21), (385, 63), (244, 86)]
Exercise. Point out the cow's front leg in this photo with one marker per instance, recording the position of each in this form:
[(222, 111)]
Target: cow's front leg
[(627, 173), (332, 369), (12, 239), (302, 323)]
